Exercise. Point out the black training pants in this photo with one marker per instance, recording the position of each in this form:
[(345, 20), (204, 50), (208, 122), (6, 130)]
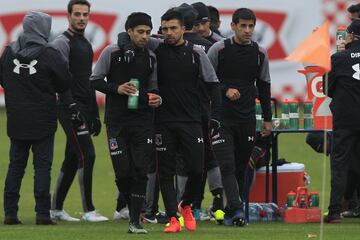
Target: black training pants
[(346, 145), (233, 146), (79, 157), (186, 139)]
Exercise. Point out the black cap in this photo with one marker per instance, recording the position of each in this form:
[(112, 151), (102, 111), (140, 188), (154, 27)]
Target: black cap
[(136, 19), (204, 14), (189, 13), (354, 28), (355, 8)]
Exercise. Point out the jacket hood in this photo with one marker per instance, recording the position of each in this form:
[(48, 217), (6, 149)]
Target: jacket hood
[(36, 32)]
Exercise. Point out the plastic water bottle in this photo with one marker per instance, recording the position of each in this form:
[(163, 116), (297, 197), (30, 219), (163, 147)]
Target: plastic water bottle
[(254, 212), (308, 115), (314, 199), (270, 211), (258, 112), (294, 114), (133, 100), (284, 121), (340, 36)]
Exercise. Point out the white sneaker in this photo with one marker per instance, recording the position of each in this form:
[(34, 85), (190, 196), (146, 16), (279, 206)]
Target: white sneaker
[(61, 215), (122, 214), (93, 216)]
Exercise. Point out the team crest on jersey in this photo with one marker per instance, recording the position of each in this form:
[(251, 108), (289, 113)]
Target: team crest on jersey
[(158, 139), (113, 144)]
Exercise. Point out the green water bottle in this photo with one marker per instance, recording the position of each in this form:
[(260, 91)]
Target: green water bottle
[(314, 199), (340, 36), (293, 114), (285, 114), (133, 100), (273, 109), (258, 114), (308, 115), (291, 197)]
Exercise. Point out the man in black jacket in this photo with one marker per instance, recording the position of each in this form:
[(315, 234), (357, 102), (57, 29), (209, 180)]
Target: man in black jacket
[(181, 67), (240, 64), (130, 131), (211, 165), (344, 89), (31, 72), (79, 104)]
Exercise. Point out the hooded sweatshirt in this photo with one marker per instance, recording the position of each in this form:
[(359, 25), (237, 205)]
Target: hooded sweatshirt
[(31, 72)]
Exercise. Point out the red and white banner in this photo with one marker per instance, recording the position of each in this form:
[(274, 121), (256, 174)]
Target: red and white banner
[(281, 26)]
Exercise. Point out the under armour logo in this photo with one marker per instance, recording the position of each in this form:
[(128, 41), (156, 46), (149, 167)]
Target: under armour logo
[(200, 140), (356, 68), (250, 138), (30, 66), (149, 140)]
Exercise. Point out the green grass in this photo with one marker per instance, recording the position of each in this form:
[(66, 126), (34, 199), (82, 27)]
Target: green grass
[(291, 146)]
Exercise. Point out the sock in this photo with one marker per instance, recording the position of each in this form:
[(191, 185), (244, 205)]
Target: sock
[(218, 199)]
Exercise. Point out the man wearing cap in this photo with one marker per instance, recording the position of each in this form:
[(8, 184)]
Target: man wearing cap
[(202, 23), (211, 165), (353, 11), (344, 89), (241, 65), (182, 66), (31, 72), (214, 19), (130, 131)]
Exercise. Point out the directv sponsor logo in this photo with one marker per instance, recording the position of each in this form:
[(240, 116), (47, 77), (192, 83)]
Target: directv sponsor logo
[(161, 149), (82, 133), (116, 153), (355, 55), (218, 141)]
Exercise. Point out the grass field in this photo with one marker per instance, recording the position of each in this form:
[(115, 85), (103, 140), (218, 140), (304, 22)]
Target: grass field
[(291, 146)]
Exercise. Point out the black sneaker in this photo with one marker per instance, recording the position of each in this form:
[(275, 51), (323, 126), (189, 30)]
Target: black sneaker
[(150, 218), (332, 218), (44, 221), (12, 220), (162, 218), (136, 228)]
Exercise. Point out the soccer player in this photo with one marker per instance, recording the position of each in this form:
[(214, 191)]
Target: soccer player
[(211, 165), (181, 68), (31, 72), (79, 151), (202, 23), (240, 64), (215, 21), (344, 89), (130, 131)]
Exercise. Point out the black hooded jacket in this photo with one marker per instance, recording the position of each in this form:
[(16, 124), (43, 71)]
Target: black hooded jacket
[(344, 87), (31, 73)]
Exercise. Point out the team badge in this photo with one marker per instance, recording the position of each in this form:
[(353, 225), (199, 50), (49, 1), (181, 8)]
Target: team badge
[(113, 144), (158, 139)]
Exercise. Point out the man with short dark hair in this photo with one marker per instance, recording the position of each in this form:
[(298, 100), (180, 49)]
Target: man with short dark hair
[(78, 115), (31, 72), (214, 19), (181, 67), (241, 66), (130, 131), (354, 11), (178, 119), (202, 23), (211, 165)]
